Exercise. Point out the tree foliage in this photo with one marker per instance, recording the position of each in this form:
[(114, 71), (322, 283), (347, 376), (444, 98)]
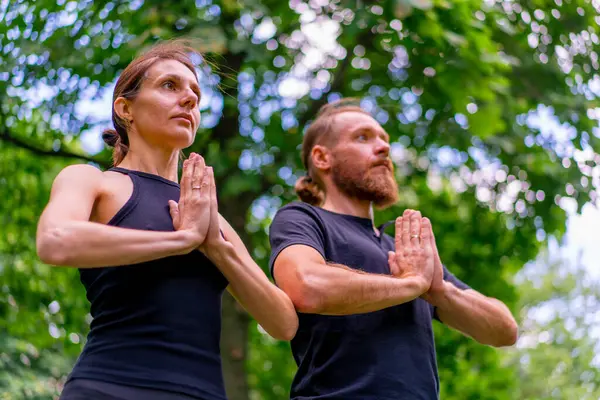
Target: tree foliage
[(459, 86), (556, 356)]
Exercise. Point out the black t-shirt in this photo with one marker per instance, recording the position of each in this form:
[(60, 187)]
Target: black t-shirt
[(387, 354)]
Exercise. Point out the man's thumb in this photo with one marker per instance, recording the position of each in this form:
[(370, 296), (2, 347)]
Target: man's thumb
[(394, 269), (173, 209), (391, 256)]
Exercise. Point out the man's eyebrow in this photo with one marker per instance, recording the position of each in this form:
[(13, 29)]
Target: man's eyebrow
[(360, 128), (368, 127)]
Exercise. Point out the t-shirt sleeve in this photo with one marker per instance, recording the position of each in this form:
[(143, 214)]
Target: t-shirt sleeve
[(295, 224), (449, 277)]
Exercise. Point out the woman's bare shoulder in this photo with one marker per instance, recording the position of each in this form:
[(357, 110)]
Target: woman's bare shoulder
[(80, 175)]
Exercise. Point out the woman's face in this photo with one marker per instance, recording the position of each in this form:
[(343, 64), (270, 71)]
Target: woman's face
[(165, 112)]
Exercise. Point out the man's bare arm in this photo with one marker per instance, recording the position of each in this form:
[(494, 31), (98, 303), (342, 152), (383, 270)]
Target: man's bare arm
[(485, 319), (316, 287), (319, 288)]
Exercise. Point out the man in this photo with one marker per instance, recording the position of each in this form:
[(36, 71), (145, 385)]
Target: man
[(366, 300)]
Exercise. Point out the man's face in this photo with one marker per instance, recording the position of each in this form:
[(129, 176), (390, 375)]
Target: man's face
[(361, 166)]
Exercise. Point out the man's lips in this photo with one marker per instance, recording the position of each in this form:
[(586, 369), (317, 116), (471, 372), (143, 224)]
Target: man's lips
[(383, 164)]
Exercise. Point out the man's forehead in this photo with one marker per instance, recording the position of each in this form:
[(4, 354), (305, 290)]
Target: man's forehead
[(355, 120)]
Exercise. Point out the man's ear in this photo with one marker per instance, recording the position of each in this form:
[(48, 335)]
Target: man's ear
[(123, 109), (321, 158)]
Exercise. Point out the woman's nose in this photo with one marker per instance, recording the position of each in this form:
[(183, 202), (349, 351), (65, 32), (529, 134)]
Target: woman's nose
[(189, 98)]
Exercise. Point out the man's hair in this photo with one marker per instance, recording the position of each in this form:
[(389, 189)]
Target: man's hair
[(310, 188)]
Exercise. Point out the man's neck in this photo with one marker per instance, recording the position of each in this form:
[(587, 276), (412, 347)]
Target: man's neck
[(342, 204)]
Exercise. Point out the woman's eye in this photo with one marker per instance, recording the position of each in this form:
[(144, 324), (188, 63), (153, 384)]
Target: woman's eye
[(362, 138), (169, 85)]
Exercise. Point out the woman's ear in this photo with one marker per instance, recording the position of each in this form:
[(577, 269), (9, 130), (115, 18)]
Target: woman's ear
[(321, 157), (123, 109)]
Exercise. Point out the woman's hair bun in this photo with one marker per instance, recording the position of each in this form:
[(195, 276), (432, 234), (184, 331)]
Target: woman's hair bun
[(110, 137)]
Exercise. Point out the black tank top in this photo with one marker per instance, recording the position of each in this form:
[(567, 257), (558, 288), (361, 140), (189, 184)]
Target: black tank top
[(155, 324)]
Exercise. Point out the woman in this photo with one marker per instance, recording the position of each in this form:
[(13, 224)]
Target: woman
[(154, 269)]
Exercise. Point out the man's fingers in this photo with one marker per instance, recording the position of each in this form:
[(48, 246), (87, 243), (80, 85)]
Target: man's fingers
[(432, 238), (394, 270), (415, 228), (434, 245), (427, 241), (406, 228), (425, 233), (398, 235)]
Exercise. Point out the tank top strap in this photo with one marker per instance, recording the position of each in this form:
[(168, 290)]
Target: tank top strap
[(133, 199)]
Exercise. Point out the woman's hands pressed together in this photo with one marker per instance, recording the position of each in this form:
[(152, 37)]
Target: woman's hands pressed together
[(192, 213), (197, 211), (215, 237)]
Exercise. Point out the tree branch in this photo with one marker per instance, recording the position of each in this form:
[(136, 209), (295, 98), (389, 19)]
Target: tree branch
[(6, 137), (337, 83)]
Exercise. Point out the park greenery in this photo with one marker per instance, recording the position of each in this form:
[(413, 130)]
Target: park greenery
[(491, 107)]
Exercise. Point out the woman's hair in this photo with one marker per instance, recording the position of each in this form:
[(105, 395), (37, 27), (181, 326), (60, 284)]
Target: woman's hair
[(129, 84), (310, 188)]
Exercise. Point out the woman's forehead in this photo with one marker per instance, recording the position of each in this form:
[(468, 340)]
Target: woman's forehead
[(170, 67)]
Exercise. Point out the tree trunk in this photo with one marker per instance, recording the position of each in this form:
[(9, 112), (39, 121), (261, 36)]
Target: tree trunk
[(234, 346), (234, 327)]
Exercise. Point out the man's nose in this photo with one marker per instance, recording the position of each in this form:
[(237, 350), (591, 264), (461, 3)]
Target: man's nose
[(382, 148)]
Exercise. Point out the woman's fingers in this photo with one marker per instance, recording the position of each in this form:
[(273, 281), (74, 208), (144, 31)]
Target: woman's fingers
[(214, 205), (198, 174), (214, 210), (186, 181), (204, 185), (174, 211)]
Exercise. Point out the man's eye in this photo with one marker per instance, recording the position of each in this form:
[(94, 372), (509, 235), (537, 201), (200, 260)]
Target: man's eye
[(362, 138)]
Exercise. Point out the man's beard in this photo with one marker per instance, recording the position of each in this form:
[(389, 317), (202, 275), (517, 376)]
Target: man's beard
[(366, 183)]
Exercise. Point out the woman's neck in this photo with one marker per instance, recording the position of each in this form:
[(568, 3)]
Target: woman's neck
[(153, 161)]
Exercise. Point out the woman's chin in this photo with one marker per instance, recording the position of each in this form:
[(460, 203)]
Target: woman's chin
[(181, 139)]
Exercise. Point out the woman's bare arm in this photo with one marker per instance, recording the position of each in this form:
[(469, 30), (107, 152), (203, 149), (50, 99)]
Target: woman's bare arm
[(67, 237)]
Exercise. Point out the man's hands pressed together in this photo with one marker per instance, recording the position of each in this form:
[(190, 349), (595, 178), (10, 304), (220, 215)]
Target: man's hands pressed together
[(414, 256), (483, 318), (417, 255)]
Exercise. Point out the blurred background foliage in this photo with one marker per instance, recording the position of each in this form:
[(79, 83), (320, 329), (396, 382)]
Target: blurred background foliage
[(492, 111)]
